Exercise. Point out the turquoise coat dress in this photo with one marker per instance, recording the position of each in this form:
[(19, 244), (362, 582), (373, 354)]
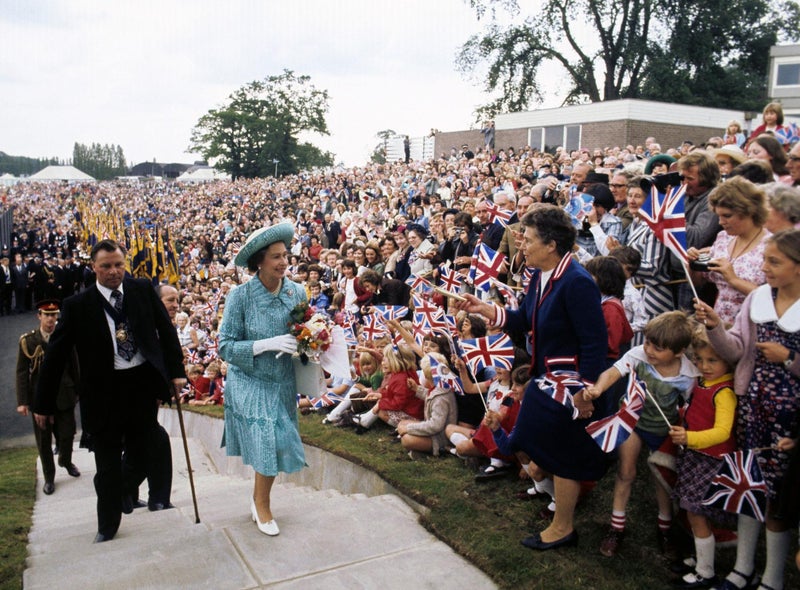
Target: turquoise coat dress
[(260, 393)]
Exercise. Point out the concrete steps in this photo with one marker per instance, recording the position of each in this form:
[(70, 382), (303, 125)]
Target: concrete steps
[(328, 539)]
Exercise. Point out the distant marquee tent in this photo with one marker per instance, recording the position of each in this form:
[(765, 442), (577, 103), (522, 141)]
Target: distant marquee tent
[(202, 174), (60, 174)]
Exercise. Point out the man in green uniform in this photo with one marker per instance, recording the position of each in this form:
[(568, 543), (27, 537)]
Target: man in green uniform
[(29, 359)]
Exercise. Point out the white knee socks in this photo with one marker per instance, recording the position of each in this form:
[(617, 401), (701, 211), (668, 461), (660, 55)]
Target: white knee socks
[(704, 550), (777, 550), (367, 419), (747, 531)]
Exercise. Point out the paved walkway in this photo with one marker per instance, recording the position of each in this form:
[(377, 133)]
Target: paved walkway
[(328, 539)]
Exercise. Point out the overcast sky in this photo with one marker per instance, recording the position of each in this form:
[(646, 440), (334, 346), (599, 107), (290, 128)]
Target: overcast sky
[(140, 73)]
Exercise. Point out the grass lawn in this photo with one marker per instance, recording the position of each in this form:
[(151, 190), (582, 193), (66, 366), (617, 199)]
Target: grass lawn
[(483, 522), (17, 494)]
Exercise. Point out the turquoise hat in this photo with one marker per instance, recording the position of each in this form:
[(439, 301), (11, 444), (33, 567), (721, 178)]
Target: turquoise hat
[(261, 238)]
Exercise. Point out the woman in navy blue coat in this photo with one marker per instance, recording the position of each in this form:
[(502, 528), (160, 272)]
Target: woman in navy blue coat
[(562, 316)]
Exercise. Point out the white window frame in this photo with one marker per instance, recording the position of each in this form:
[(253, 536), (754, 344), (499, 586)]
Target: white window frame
[(784, 61), (538, 142)]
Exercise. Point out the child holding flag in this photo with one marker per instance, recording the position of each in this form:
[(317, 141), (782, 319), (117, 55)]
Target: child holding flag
[(669, 376), (428, 435), (707, 435)]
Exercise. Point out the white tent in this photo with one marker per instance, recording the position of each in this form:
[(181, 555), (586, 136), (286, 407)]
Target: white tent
[(60, 173), (8, 179), (202, 174)]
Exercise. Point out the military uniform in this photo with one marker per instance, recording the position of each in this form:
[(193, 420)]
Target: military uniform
[(32, 346)]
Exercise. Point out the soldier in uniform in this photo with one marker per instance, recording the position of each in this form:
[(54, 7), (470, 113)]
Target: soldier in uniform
[(32, 346)]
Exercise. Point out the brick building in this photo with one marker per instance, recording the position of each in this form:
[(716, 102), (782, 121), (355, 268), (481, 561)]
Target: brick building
[(596, 125)]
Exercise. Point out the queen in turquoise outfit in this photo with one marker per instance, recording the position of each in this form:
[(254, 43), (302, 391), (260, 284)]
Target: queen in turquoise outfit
[(260, 394)]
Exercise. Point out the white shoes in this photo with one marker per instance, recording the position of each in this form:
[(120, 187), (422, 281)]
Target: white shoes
[(268, 528)]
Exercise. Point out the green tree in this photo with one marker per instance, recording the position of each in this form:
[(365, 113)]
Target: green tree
[(23, 165), (610, 49), (260, 122), (381, 149), (103, 162), (713, 56)]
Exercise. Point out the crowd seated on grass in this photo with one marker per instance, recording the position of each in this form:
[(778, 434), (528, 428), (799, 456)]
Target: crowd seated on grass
[(382, 234)]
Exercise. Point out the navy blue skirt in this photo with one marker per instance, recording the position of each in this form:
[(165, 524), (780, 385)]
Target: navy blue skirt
[(554, 441)]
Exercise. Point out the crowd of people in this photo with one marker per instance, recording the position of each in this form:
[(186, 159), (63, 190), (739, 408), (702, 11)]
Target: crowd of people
[(595, 291)]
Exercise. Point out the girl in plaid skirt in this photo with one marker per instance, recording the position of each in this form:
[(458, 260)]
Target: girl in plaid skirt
[(707, 436)]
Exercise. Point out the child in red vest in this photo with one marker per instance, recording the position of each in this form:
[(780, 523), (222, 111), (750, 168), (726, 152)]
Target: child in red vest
[(707, 436)]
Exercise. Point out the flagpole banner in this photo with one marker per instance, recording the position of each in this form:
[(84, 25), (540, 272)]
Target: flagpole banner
[(664, 214)]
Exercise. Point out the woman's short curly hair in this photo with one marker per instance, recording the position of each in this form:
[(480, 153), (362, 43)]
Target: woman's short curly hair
[(742, 197)]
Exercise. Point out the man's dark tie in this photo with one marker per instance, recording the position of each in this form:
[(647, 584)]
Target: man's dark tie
[(125, 348)]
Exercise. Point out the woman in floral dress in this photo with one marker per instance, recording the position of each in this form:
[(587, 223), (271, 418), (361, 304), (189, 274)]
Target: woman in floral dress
[(736, 256)]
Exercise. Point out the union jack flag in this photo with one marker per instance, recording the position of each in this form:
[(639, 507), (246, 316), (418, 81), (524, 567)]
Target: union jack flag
[(194, 357), (527, 275), (444, 378), (609, 433), (391, 312), (374, 327), (497, 215), (485, 266), (419, 284), (561, 386), (424, 324), (419, 329), (452, 324), (636, 388), (739, 486), (429, 311), (326, 400), (451, 280), (489, 351), (397, 339), (507, 292), (212, 349), (664, 213), (350, 336), (347, 320)]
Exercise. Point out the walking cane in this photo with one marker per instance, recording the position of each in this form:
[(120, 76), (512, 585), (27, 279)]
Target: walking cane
[(186, 452)]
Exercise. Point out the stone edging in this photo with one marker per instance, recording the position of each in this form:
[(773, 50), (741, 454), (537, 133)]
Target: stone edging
[(325, 470)]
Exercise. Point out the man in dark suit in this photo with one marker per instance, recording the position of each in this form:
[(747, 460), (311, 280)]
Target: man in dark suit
[(158, 470), (19, 282), (129, 358), (6, 286)]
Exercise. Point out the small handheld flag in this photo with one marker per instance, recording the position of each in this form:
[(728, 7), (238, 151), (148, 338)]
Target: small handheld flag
[(489, 351), (739, 486)]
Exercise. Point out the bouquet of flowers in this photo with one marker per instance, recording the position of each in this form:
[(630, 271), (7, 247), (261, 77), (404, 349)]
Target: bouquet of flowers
[(312, 329)]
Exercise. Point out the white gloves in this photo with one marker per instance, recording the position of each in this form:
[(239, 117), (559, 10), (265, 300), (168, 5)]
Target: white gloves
[(285, 343)]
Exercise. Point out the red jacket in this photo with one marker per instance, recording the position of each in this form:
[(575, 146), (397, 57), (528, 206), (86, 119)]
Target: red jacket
[(395, 394), (619, 330)]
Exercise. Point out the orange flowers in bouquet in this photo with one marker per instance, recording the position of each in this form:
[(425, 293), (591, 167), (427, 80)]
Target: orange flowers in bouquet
[(312, 329)]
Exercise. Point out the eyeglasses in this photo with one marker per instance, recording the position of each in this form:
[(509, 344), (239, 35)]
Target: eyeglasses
[(611, 185), (794, 158)]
